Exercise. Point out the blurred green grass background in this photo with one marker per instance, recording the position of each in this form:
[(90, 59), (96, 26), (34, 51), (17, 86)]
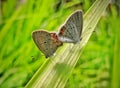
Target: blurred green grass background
[(20, 58)]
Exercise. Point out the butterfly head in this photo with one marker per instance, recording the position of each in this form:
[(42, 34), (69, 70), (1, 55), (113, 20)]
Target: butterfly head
[(54, 37)]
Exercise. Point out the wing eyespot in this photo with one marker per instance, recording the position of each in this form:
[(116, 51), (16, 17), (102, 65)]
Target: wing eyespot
[(45, 42)]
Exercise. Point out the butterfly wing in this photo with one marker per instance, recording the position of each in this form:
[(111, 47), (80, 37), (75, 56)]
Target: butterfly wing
[(45, 42), (72, 28)]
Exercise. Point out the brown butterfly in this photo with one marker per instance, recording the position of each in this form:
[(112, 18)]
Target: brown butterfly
[(46, 42)]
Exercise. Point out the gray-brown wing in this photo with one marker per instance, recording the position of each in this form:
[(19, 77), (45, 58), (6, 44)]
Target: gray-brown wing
[(44, 42), (72, 29)]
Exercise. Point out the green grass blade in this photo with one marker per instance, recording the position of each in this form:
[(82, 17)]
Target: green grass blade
[(56, 72), (115, 77)]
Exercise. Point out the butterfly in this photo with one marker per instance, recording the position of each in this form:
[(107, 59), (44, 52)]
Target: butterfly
[(71, 30), (46, 42)]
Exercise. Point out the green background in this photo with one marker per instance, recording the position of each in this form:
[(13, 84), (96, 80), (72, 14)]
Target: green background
[(20, 58)]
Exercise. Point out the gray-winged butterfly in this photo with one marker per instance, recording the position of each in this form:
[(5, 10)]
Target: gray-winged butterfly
[(71, 30)]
